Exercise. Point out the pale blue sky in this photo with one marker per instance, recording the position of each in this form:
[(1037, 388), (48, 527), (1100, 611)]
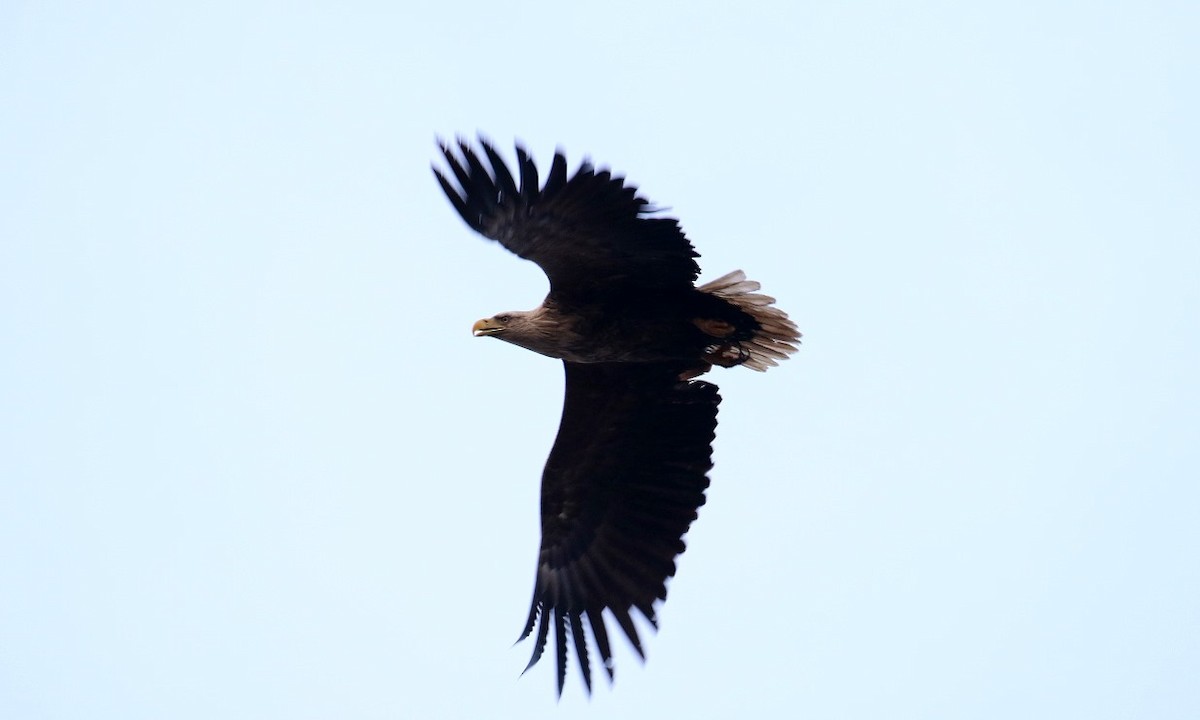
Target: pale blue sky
[(253, 464)]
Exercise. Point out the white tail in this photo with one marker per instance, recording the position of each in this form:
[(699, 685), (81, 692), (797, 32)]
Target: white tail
[(776, 338)]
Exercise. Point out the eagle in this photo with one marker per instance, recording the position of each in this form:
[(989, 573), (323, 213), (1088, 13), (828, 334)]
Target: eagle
[(629, 467)]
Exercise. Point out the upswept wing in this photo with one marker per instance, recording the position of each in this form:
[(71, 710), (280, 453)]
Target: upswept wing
[(624, 481), (587, 231)]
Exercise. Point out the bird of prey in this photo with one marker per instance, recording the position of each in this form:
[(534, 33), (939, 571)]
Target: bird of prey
[(629, 466)]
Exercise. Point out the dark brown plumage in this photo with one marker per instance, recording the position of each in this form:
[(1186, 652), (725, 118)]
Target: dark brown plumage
[(629, 466)]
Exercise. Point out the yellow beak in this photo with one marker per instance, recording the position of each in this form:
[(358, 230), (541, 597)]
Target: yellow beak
[(486, 327)]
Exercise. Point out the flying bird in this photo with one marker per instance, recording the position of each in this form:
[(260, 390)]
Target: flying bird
[(629, 466)]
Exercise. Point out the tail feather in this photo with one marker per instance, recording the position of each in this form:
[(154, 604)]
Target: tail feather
[(777, 336)]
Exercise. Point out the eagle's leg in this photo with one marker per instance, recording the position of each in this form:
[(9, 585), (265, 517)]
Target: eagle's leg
[(727, 355)]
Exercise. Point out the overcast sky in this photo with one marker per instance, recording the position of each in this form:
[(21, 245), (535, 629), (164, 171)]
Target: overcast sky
[(253, 464)]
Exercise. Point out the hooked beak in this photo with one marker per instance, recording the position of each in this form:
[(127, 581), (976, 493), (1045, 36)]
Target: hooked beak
[(486, 327)]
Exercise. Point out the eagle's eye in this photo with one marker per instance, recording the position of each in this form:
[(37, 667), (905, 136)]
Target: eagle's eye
[(504, 318)]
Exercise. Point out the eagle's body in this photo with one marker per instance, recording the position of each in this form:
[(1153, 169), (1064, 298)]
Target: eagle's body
[(628, 469), (656, 326)]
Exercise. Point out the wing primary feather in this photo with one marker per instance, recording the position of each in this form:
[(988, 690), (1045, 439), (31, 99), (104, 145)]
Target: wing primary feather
[(596, 620), (534, 611), (581, 651), (540, 645), (529, 175), (456, 200), (560, 646), (479, 177), (558, 175), (647, 610), (460, 173), (626, 623), (500, 170)]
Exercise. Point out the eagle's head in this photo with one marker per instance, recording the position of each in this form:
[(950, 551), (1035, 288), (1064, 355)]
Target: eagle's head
[(535, 330)]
